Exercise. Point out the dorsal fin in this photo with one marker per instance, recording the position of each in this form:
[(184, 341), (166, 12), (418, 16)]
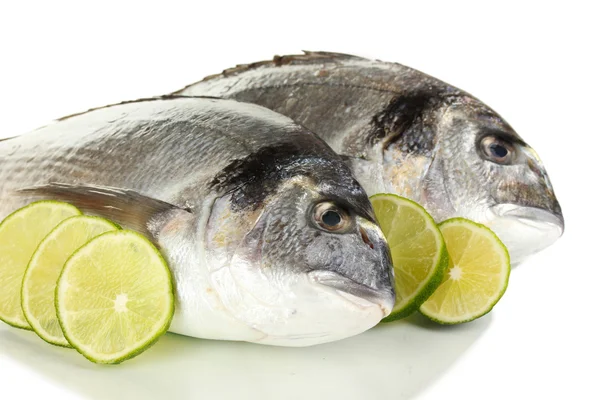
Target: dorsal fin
[(308, 58), (141, 100), (145, 99)]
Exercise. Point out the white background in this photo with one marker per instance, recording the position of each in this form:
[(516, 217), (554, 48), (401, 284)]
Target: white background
[(535, 64)]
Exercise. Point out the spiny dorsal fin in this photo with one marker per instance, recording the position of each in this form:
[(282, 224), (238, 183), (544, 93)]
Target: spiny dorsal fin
[(142, 100), (308, 58)]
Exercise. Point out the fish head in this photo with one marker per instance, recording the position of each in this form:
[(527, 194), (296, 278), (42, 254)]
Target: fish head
[(312, 264), (483, 170)]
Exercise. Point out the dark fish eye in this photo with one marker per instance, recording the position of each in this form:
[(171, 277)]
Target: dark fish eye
[(330, 217), (497, 150)]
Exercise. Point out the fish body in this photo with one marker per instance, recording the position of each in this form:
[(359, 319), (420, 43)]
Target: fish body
[(405, 132), (268, 236)]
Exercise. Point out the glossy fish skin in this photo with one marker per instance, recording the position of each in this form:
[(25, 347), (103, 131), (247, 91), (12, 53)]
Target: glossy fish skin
[(228, 192), (408, 133)]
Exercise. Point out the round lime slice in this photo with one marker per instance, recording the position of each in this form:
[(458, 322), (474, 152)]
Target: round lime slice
[(418, 251), (20, 235), (45, 266), (114, 297), (477, 276)]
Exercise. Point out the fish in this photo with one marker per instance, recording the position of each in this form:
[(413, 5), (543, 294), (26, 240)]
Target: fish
[(408, 133), (269, 237)]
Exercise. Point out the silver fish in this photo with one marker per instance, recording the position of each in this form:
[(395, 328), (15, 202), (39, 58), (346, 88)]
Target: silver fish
[(408, 133), (269, 237)]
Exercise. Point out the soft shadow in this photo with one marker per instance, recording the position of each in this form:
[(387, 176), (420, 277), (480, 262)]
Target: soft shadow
[(396, 360)]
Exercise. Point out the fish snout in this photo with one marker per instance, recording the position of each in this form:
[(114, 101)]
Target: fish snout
[(373, 237), (372, 279), (543, 195), (527, 215)]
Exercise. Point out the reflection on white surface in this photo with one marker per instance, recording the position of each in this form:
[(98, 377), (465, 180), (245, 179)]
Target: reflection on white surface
[(403, 358)]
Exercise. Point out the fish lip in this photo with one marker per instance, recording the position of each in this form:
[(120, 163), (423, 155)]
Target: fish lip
[(353, 291), (533, 216)]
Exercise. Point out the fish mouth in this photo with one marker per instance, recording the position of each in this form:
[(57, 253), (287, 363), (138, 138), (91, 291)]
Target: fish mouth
[(525, 230), (533, 216), (357, 293)]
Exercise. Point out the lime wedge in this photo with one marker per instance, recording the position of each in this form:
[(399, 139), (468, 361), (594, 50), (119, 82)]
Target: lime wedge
[(418, 251), (20, 234), (39, 282), (114, 297), (477, 276)]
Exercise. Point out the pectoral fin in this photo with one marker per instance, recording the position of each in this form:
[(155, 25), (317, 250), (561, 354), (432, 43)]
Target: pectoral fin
[(127, 208)]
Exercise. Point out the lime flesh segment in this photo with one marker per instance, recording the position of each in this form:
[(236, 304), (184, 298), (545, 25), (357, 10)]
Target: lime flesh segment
[(45, 266), (114, 297), (20, 235), (477, 276), (418, 251)]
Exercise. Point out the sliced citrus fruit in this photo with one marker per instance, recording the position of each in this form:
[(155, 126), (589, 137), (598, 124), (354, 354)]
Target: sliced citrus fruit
[(20, 234), (477, 276), (114, 297), (45, 266), (418, 251)]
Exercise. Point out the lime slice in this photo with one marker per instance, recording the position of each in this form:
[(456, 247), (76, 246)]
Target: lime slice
[(20, 234), (418, 251), (114, 297), (39, 282), (477, 276)]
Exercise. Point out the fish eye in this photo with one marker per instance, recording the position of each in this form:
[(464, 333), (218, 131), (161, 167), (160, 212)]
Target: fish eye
[(331, 218), (497, 150)]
